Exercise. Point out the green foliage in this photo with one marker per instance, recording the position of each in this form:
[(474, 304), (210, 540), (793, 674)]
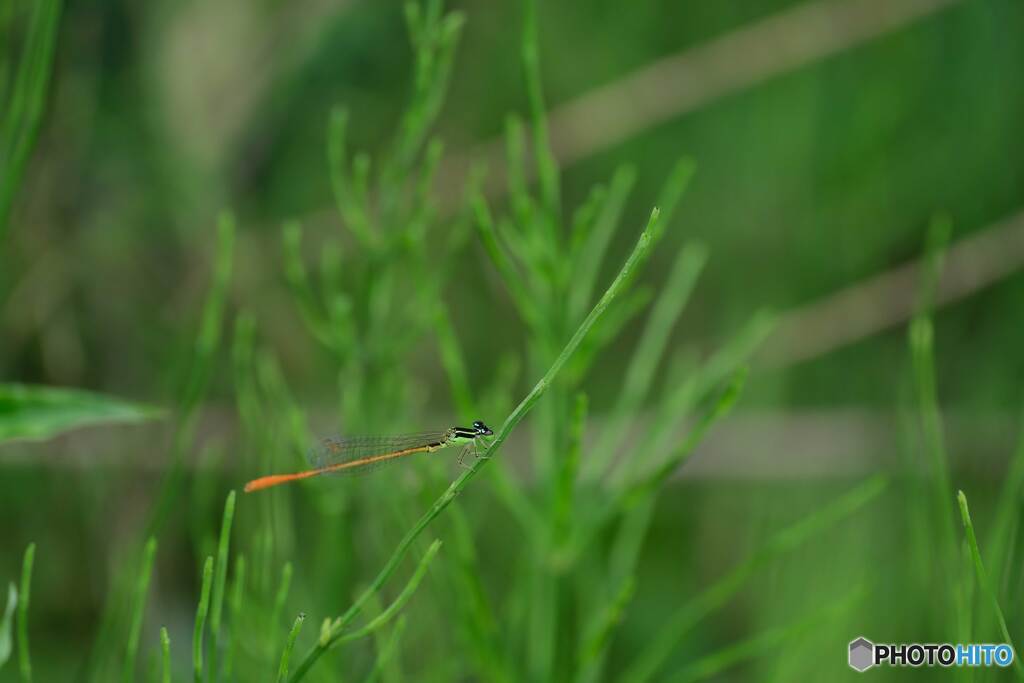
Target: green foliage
[(24, 661), (547, 575), (332, 637), (1001, 543), (7, 624), (283, 587), (21, 109), (33, 412), (235, 607), (767, 641), (715, 596), (165, 655), (197, 379), (138, 609), (387, 653), (550, 273), (212, 320), (983, 579), (500, 436), (286, 655), (921, 338), (220, 580), (389, 210), (200, 624), (192, 390)]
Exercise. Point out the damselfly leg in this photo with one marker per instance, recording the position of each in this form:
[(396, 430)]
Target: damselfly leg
[(468, 448), (477, 447)]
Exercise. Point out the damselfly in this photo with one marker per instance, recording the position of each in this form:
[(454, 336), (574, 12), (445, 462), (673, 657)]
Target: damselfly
[(357, 454)]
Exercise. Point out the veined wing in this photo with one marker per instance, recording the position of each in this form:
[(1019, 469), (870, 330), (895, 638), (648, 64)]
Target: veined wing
[(364, 453)]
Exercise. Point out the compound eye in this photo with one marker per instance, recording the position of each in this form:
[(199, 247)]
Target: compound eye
[(478, 424)]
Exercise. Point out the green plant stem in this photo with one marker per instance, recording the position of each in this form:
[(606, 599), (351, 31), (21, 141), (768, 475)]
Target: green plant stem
[(717, 594), (282, 592), (453, 363), (201, 611), (592, 255), (547, 168), (684, 391), (298, 280), (386, 653), (476, 618), (395, 607), (596, 641), (7, 624), (639, 252), (165, 655), (192, 391), (541, 639), (565, 486), (922, 356), (524, 300), (764, 642), (983, 581), (351, 209), (1000, 543), (591, 250), (219, 581), (24, 661), (206, 345), (235, 607), (654, 480), (637, 502), (642, 488), (455, 367), (139, 607), (21, 117), (286, 655), (644, 361)]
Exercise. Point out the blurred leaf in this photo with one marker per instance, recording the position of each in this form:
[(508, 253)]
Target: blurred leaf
[(24, 661), (670, 635), (201, 611), (592, 246), (165, 655), (547, 166), (5, 625), (387, 653), (39, 412), (597, 638), (138, 609), (768, 641), (23, 112)]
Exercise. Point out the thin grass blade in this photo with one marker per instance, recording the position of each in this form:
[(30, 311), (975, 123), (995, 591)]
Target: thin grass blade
[(24, 600), (7, 625), (286, 655), (138, 609), (983, 580), (765, 642), (200, 624), (653, 657)]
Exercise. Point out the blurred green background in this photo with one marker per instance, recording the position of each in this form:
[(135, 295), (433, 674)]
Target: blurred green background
[(826, 138)]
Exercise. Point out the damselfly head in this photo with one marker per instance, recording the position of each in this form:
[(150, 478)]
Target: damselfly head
[(482, 429)]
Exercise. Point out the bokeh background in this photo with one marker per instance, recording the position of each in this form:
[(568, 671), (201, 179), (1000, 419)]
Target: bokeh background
[(832, 142)]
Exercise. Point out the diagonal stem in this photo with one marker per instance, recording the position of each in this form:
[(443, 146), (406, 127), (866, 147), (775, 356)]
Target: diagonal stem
[(625, 274)]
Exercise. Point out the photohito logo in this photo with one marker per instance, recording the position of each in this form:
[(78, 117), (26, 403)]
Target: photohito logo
[(864, 654)]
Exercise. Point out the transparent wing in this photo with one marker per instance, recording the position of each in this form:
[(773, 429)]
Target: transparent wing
[(366, 453)]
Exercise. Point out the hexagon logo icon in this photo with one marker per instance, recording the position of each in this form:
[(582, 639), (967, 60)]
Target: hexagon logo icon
[(861, 654)]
